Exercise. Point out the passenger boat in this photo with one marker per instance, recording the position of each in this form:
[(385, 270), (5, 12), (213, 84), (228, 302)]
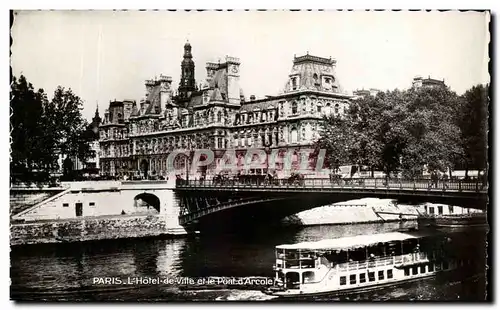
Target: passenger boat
[(362, 263)]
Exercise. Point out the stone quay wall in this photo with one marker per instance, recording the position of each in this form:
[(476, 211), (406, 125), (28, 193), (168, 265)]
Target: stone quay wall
[(91, 228)]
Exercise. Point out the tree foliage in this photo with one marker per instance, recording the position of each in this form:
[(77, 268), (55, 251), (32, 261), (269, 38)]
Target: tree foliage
[(409, 131), (43, 129), (472, 120)]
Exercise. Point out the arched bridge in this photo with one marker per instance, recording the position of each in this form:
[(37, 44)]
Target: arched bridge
[(202, 198)]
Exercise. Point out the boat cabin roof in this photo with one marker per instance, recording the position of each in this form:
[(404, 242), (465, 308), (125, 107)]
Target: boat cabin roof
[(353, 242)]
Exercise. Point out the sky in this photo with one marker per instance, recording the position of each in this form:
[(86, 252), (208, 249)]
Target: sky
[(107, 55)]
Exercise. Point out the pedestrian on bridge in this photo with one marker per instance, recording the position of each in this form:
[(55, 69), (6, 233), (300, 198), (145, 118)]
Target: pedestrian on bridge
[(445, 181)]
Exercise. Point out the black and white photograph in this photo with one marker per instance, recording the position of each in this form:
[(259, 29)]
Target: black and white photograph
[(250, 155)]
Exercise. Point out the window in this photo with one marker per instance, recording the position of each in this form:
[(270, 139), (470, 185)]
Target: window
[(389, 274), (294, 135), (336, 108), (381, 275), (319, 108), (294, 107), (425, 209), (371, 276), (414, 270), (407, 271), (343, 280), (431, 267), (431, 210), (440, 210), (91, 204), (422, 269), (294, 83), (65, 205), (362, 277), (450, 209), (352, 279)]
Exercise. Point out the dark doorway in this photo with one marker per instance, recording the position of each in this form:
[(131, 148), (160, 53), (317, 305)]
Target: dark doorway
[(144, 168), (79, 209)]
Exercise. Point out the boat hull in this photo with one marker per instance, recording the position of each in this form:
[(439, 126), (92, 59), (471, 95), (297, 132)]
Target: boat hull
[(363, 289)]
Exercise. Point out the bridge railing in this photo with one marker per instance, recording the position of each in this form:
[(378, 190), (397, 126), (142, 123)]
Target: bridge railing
[(318, 183)]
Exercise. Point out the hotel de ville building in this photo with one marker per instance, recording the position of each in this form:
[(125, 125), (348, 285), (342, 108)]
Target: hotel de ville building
[(135, 138)]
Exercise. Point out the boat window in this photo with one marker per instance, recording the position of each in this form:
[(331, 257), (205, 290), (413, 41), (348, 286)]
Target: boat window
[(389, 274), (362, 277), (381, 275), (407, 271), (292, 280), (376, 251), (65, 205), (352, 279), (414, 270), (431, 267), (445, 265), (409, 246), (422, 269), (440, 210), (340, 257), (308, 277), (357, 254), (371, 276), (393, 249), (343, 280)]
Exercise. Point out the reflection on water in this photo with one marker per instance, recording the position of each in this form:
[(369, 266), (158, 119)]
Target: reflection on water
[(67, 272)]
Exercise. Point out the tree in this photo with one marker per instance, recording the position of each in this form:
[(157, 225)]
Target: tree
[(335, 135), (431, 136), (68, 124), (42, 129), (396, 131), (473, 123), (32, 148), (364, 115)]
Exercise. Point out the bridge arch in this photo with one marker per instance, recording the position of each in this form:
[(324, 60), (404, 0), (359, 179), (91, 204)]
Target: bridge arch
[(146, 202)]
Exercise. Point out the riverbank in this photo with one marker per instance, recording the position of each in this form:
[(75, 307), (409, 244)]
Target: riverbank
[(91, 228), (360, 211)]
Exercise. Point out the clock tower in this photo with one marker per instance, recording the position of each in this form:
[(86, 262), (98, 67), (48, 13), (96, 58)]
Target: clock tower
[(233, 80), (187, 84)]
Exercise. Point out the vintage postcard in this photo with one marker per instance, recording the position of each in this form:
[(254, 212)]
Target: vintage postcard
[(249, 155)]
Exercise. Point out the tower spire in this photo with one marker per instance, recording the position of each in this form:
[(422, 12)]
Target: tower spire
[(187, 84)]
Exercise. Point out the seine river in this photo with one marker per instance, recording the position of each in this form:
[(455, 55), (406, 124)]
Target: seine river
[(69, 272)]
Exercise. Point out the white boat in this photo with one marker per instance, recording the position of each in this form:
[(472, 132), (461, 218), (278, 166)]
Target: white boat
[(360, 263)]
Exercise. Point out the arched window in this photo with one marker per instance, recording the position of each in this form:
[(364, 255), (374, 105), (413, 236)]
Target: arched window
[(219, 116), (294, 107), (336, 108), (328, 109), (294, 135), (319, 108)]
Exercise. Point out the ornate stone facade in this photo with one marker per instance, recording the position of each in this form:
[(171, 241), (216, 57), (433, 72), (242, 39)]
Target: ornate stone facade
[(136, 139)]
